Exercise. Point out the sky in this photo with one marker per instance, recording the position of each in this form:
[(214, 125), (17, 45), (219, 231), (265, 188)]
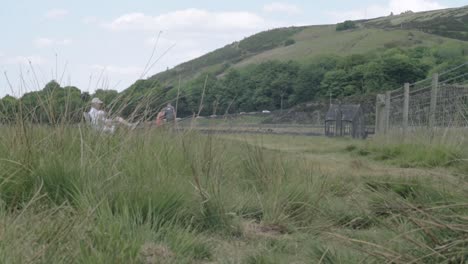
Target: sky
[(108, 44)]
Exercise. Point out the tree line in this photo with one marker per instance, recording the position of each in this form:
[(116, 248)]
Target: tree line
[(274, 85), (269, 85)]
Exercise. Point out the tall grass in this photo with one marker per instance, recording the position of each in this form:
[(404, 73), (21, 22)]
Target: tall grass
[(116, 186), (69, 193)]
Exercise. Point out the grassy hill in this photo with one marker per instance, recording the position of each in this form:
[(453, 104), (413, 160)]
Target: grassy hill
[(304, 43), (452, 23)]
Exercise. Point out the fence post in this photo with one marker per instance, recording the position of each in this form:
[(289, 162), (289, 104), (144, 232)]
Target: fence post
[(388, 96), (339, 122), (434, 92), (380, 113), (406, 108), (379, 104)]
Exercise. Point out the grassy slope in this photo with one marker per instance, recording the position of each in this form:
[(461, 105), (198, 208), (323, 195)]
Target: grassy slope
[(315, 41), (426, 28), (451, 22)]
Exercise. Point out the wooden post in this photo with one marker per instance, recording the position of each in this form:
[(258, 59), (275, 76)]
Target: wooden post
[(380, 114), (338, 122), (434, 93), (388, 96), (406, 108)]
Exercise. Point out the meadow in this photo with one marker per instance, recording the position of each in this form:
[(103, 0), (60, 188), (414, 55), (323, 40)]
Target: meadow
[(69, 194)]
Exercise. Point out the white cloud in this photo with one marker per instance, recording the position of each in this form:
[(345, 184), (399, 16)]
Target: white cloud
[(188, 20), (56, 13), (90, 20), (34, 59), (43, 42), (47, 42), (194, 32), (398, 6), (395, 6), (113, 69), (193, 54), (278, 7)]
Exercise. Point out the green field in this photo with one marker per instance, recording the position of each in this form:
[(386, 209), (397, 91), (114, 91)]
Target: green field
[(71, 195)]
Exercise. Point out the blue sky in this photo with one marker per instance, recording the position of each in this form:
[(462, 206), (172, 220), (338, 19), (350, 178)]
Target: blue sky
[(106, 44)]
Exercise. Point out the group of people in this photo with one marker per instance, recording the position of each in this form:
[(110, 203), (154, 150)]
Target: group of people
[(100, 120)]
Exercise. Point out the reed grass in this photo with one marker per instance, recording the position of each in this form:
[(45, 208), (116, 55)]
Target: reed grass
[(70, 194)]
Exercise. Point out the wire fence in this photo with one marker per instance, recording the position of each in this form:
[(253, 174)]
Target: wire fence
[(440, 101)]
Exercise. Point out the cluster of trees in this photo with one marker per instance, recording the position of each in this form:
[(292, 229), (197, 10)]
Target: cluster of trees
[(276, 85), (55, 104), (270, 85)]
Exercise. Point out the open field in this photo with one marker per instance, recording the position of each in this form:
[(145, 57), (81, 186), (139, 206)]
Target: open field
[(248, 124), (71, 195)]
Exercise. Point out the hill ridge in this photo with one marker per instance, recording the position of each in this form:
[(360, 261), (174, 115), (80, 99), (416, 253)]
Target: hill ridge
[(404, 30)]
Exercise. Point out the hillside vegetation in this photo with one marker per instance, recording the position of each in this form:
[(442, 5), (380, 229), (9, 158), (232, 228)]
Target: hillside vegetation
[(404, 31), (281, 68), (451, 23), (221, 59)]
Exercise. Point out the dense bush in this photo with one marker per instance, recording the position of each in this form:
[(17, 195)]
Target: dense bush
[(348, 24), (289, 42)]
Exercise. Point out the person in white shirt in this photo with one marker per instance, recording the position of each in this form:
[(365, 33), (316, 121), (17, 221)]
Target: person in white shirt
[(100, 121)]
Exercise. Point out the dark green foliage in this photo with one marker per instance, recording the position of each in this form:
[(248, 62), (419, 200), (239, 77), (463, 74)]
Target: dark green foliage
[(346, 25), (278, 85), (8, 108), (351, 148), (289, 42), (53, 104)]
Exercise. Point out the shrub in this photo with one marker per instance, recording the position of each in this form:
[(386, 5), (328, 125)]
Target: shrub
[(289, 42), (348, 24)]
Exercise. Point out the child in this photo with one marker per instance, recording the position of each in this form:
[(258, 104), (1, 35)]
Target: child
[(160, 118)]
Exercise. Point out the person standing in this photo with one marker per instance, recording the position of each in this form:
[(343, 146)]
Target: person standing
[(160, 118), (169, 113)]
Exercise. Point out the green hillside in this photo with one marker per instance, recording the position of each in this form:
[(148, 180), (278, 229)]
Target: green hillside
[(223, 58), (304, 43), (282, 68), (315, 41), (452, 23)]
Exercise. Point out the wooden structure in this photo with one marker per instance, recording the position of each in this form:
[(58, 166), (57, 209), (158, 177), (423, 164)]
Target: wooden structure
[(345, 120)]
